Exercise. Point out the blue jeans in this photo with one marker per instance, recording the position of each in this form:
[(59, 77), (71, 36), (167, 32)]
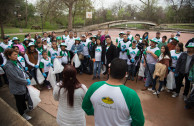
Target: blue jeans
[(154, 84), (149, 78), (97, 63)]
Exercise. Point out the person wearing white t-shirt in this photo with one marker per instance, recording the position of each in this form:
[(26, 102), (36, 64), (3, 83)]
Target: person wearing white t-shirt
[(152, 53), (132, 53), (45, 64), (98, 57), (130, 36), (65, 36), (175, 55), (120, 38), (54, 52), (111, 102), (70, 41), (138, 39), (123, 46), (65, 55), (5, 44), (158, 38), (45, 36)]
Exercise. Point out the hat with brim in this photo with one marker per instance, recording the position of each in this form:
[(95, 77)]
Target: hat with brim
[(15, 39), (134, 41), (7, 36), (26, 39), (154, 40), (121, 33), (190, 45), (58, 38), (77, 39), (63, 44), (31, 44), (93, 37), (176, 38), (83, 36)]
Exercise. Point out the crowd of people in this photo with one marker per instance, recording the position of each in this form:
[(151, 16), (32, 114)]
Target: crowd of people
[(140, 57)]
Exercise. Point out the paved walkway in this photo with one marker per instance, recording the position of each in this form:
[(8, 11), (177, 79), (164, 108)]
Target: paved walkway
[(39, 116)]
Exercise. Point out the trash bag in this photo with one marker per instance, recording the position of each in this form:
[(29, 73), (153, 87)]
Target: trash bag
[(103, 69), (33, 82), (34, 95), (141, 70), (1, 71), (88, 67), (190, 101), (58, 68), (39, 76), (51, 77), (76, 61), (28, 99), (170, 81)]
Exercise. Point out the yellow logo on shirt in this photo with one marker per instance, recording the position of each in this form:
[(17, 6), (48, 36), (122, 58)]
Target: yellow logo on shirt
[(107, 100)]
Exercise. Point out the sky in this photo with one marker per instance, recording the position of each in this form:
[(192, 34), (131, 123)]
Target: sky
[(108, 3)]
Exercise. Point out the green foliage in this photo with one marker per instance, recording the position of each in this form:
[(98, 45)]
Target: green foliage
[(48, 25), (109, 16)]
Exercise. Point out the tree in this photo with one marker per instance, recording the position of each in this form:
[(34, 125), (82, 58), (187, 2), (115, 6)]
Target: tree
[(6, 12), (69, 4)]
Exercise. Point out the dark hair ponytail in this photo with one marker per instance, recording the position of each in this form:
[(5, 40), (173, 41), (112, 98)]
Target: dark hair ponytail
[(70, 82)]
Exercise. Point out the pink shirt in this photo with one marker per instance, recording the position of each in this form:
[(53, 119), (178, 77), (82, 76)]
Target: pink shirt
[(21, 47)]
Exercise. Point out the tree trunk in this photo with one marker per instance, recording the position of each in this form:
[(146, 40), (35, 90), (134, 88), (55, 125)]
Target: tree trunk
[(26, 20), (2, 31), (70, 17)]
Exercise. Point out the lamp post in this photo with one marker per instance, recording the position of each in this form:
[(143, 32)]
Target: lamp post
[(41, 15)]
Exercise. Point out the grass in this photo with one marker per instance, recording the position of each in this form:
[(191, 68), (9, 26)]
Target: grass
[(10, 30), (21, 37), (182, 26), (138, 26)]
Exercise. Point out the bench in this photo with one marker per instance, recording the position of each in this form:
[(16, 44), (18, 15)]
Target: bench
[(36, 27)]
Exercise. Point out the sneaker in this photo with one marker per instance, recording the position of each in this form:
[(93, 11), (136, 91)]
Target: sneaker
[(27, 110), (98, 77), (94, 77), (175, 95), (49, 87), (27, 117), (162, 89), (155, 93), (168, 90), (184, 97), (150, 89)]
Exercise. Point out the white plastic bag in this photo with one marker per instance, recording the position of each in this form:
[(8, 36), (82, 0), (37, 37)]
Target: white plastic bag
[(51, 77), (1, 71), (103, 69), (76, 61), (34, 95), (141, 70), (33, 82), (171, 81), (58, 68), (39, 76)]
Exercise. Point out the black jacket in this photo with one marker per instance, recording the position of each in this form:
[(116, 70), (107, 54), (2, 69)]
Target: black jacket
[(103, 53), (181, 63), (111, 53)]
